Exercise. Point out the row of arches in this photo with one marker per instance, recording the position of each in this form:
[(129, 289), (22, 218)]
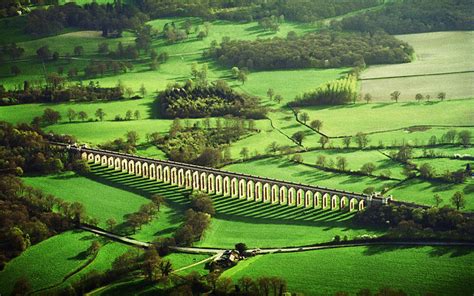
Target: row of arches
[(225, 185)]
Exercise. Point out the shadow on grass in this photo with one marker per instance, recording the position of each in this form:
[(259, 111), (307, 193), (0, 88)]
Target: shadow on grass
[(436, 251), (227, 208)]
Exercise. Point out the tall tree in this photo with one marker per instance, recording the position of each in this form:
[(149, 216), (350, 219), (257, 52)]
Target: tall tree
[(395, 96), (298, 137), (304, 117), (316, 124), (99, 113), (458, 200), (71, 114)]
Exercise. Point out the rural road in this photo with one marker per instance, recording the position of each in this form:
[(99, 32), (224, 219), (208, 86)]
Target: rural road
[(214, 251)]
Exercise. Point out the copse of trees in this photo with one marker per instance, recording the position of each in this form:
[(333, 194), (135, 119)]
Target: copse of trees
[(326, 49), (218, 99), (405, 17), (201, 144), (341, 91)]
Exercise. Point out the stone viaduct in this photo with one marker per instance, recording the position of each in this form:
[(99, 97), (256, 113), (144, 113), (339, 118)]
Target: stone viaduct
[(229, 184)]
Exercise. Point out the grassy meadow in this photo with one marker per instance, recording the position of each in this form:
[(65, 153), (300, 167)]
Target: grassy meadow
[(437, 54), (436, 270), (45, 268)]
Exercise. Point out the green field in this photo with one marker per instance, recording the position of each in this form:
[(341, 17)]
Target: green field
[(44, 267), (351, 119), (103, 202), (436, 53), (417, 271), (356, 159)]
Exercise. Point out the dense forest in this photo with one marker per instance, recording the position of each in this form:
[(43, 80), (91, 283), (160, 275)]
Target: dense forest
[(404, 17), (218, 99), (109, 18), (323, 50)]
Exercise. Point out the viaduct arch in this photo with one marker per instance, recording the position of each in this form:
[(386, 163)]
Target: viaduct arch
[(229, 184)]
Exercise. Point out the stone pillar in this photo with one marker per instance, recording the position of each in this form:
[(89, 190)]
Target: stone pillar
[(110, 162), (145, 170), (118, 165), (352, 204), (226, 186), (291, 196), (138, 168), (325, 201), (250, 190), (196, 181), (300, 198), (361, 205), (258, 192), (159, 173), (181, 179), (283, 195), (266, 192), (308, 197), (274, 193), (316, 199), (234, 187), (103, 160), (334, 202), (211, 185), (203, 182), (166, 174), (188, 176), (343, 203), (152, 170), (131, 167), (219, 185), (174, 176), (242, 188)]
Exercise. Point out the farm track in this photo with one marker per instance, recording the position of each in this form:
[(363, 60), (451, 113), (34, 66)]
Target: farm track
[(217, 251)]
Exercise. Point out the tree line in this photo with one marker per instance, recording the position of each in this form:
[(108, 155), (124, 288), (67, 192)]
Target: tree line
[(405, 17), (56, 91), (326, 49), (405, 222), (194, 100), (247, 10)]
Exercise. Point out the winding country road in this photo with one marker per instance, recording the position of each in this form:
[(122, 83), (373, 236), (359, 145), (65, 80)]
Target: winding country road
[(217, 251)]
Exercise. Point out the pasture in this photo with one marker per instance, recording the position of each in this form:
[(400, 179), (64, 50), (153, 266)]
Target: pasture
[(377, 117), (436, 270), (45, 268), (437, 54)]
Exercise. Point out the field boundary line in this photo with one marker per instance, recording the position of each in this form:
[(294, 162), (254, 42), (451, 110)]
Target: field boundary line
[(417, 75)]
